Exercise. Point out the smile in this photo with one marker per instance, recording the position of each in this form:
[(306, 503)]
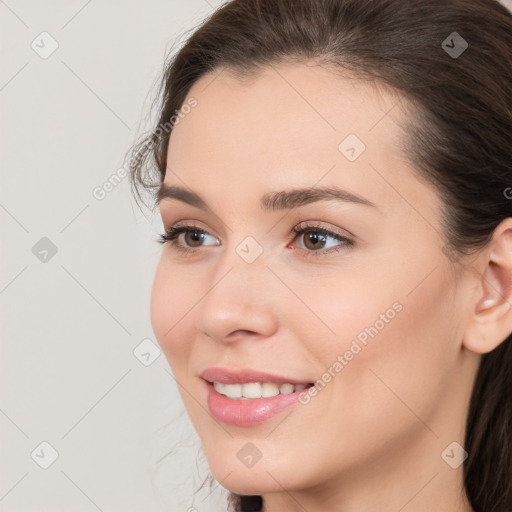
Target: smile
[(252, 390)]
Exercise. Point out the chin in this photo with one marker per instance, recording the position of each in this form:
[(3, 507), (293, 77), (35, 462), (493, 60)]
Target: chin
[(262, 478), (250, 487)]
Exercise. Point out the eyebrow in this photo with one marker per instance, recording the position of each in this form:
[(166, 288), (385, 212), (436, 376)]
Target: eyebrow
[(273, 201)]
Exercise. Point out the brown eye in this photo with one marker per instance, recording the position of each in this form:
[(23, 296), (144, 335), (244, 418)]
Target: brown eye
[(314, 240), (194, 238), (186, 238)]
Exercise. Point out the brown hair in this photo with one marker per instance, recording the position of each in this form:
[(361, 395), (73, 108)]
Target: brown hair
[(459, 138)]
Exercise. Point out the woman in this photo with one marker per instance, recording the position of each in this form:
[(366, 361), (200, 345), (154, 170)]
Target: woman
[(334, 291)]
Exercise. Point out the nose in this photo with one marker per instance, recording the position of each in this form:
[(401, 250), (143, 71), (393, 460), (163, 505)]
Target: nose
[(240, 301)]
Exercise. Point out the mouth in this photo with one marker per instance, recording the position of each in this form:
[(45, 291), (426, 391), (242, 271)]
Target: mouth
[(247, 397)]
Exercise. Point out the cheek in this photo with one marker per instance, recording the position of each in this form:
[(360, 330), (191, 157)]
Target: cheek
[(398, 344), (172, 300), (340, 309), (384, 311)]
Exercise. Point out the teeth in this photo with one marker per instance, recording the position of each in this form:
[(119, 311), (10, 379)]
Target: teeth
[(233, 390), (286, 389), (268, 389), (255, 389), (219, 387), (251, 390)]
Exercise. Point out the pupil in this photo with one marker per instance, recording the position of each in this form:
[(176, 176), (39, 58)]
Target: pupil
[(316, 239), (196, 236)]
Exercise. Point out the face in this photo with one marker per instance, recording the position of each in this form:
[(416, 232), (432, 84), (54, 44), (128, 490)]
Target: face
[(360, 300)]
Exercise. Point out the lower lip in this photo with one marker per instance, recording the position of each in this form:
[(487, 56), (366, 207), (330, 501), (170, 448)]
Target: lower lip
[(246, 413)]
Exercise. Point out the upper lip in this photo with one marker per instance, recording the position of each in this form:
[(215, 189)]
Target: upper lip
[(243, 376)]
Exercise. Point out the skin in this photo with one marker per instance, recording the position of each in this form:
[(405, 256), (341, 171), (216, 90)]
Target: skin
[(372, 438)]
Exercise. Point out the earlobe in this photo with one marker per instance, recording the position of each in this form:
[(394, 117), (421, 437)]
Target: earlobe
[(491, 320)]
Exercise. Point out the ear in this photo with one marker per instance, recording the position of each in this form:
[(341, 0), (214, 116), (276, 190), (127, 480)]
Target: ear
[(491, 321)]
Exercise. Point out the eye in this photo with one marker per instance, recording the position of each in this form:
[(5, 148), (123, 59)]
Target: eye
[(194, 237), (318, 240)]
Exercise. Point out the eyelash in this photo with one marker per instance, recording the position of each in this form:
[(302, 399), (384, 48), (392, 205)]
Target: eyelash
[(173, 234)]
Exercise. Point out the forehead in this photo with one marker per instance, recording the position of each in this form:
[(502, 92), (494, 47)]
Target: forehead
[(298, 109), (292, 100)]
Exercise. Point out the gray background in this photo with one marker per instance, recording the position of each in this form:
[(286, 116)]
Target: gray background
[(73, 371), (69, 324)]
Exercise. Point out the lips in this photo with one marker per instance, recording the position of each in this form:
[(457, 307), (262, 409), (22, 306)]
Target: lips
[(243, 376), (246, 412)]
